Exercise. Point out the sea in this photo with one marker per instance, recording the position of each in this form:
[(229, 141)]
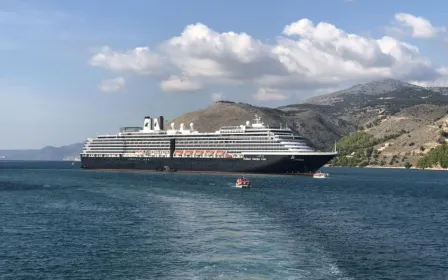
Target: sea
[(58, 221)]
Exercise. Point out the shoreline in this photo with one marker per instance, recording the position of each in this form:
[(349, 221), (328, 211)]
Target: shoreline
[(395, 167)]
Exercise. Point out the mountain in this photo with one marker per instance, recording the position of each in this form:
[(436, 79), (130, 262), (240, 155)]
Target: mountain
[(385, 122), (394, 140), (68, 152), (316, 125), (362, 104), (363, 90), (397, 122), (442, 90)]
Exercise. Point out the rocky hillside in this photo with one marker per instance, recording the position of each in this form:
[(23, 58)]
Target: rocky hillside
[(396, 122), (361, 91), (394, 140), (315, 124)]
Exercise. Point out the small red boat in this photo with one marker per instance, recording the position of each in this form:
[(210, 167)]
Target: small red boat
[(242, 183), (320, 175)]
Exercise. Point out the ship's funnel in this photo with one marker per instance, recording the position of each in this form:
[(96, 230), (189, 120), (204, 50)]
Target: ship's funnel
[(161, 123), (147, 123)]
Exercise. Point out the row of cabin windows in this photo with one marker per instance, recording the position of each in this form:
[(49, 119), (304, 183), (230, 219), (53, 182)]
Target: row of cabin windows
[(199, 145), (196, 138), (233, 142), (195, 135), (248, 139), (131, 160), (233, 150), (194, 148)]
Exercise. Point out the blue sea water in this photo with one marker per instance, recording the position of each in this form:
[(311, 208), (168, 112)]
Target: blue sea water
[(60, 222)]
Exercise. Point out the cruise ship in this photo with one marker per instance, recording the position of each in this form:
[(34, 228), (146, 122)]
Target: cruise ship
[(247, 148)]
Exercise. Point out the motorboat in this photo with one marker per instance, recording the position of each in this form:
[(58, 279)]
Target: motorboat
[(242, 183), (320, 175)]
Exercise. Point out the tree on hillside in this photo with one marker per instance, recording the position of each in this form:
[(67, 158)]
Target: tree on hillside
[(435, 157)]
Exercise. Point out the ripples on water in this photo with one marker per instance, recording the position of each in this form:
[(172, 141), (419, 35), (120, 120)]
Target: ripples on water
[(358, 224)]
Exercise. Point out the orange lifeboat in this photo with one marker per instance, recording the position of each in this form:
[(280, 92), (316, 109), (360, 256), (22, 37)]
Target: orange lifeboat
[(320, 175), (242, 183)]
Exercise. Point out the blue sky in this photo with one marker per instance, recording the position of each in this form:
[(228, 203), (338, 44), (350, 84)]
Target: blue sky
[(54, 58)]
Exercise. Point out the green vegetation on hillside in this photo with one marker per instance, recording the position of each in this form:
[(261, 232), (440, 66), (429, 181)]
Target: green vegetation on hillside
[(376, 122), (355, 150), (358, 150), (434, 158)]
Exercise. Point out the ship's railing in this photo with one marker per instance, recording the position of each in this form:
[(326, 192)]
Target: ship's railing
[(230, 127)]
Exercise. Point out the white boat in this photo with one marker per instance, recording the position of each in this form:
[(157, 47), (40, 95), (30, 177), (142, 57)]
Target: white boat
[(242, 183), (320, 175)]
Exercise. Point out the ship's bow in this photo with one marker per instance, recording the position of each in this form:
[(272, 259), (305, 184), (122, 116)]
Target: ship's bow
[(307, 164)]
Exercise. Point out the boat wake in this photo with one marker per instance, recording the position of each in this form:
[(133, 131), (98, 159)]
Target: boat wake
[(220, 239)]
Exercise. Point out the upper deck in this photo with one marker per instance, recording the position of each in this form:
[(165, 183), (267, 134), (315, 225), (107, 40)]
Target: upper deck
[(148, 131)]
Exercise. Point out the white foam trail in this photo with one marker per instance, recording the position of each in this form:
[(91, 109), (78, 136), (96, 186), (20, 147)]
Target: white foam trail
[(229, 240)]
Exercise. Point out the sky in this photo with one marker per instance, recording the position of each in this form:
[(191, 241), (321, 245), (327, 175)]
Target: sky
[(75, 69)]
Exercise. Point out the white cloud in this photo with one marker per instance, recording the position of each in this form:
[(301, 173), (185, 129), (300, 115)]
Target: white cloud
[(441, 81), (327, 54), (112, 85), (443, 71), (180, 84), (140, 61), (269, 94), (217, 96), (306, 57), (420, 27)]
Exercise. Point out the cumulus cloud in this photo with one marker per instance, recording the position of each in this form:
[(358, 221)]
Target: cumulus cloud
[(441, 81), (202, 52), (419, 27), (269, 94), (180, 84), (327, 54), (112, 85), (140, 61), (306, 56)]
